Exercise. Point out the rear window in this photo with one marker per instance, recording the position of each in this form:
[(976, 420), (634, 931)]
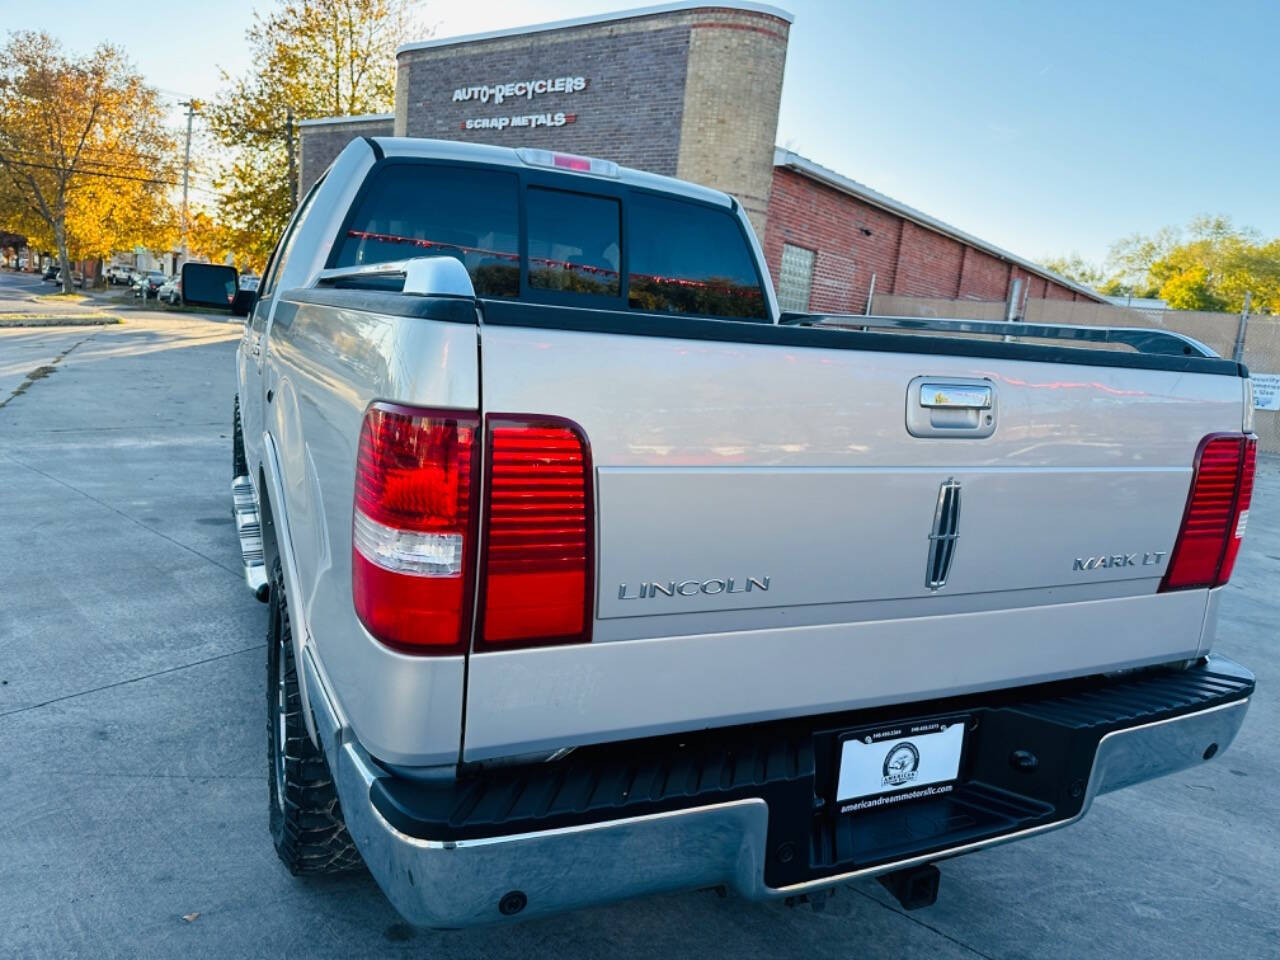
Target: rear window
[(575, 242), (413, 210), (687, 258), (682, 257)]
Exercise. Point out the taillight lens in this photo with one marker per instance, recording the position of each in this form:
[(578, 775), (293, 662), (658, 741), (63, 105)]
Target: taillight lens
[(536, 577), (1216, 515), (412, 533), (1240, 516)]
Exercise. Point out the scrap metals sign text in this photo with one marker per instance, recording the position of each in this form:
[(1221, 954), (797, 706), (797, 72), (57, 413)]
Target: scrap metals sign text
[(524, 120)]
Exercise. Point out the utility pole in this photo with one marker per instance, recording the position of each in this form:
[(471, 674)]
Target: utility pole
[(192, 106), (1012, 305), (293, 170), (1243, 329)]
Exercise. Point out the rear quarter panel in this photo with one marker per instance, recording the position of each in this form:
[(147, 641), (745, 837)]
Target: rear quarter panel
[(327, 365)]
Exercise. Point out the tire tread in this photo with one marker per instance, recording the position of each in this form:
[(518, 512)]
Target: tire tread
[(310, 835)]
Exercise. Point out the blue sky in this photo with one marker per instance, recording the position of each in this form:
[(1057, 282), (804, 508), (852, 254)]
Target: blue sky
[(1045, 128)]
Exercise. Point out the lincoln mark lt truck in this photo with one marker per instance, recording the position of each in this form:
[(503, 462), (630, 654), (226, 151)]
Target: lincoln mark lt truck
[(591, 574)]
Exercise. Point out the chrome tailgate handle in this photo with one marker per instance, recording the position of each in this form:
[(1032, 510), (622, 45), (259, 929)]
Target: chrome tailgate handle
[(935, 393), (957, 407)]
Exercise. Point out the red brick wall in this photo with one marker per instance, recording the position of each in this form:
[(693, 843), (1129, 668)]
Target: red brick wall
[(984, 277), (854, 240), (928, 263)]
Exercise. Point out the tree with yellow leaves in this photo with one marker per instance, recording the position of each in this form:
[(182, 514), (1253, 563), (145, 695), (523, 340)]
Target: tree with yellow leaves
[(85, 161), (311, 58)]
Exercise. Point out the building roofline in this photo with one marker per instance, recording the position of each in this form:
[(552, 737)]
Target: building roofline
[(358, 118), (745, 6), (816, 171), (509, 156)]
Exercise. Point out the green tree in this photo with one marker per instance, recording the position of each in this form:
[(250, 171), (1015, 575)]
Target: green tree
[(85, 161), (311, 59), (1210, 265), (1190, 289), (1076, 268), (1130, 259)]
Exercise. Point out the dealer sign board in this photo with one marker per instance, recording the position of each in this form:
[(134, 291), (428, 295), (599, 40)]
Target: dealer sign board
[(1266, 391)]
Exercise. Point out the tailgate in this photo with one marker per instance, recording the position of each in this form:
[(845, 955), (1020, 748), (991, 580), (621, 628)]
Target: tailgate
[(783, 530)]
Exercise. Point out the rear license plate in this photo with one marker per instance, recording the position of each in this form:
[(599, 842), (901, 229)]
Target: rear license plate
[(902, 761)]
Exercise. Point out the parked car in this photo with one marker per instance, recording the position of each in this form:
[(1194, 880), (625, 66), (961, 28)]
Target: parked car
[(564, 609), (117, 274), (51, 272), (171, 290), (148, 284), (248, 282)]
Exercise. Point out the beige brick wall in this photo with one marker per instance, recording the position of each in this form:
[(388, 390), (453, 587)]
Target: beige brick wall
[(731, 97)]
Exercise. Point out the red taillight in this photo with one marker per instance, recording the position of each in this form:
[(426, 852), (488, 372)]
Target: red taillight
[(536, 567), (412, 534), (1240, 518), (1216, 514)]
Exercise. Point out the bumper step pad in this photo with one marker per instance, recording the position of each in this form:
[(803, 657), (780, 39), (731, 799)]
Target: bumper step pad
[(244, 506)]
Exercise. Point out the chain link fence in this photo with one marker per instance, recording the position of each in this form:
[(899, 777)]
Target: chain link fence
[(1218, 331)]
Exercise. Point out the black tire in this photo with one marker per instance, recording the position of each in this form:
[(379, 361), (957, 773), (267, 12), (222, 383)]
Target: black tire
[(239, 468), (306, 820)]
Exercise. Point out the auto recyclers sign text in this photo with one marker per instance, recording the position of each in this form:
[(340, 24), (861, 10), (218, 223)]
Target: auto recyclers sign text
[(528, 89)]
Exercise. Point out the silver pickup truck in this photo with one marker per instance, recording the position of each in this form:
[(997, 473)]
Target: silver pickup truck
[(592, 575)]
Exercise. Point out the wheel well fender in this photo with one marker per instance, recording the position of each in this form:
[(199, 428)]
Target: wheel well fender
[(270, 548), (276, 546)]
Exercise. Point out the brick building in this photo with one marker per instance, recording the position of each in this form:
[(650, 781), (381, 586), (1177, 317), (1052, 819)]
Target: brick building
[(831, 241), (323, 139), (690, 90)]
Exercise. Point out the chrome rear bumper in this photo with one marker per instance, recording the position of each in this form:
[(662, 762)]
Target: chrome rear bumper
[(445, 884)]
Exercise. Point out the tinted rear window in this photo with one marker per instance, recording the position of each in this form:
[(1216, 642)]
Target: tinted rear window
[(575, 242), (417, 210), (687, 258)]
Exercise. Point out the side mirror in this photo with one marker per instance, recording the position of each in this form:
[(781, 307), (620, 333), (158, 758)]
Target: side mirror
[(242, 303), (209, 285)]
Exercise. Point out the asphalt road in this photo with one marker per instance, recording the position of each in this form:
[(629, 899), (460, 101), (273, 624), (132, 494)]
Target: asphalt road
[(132, 749)]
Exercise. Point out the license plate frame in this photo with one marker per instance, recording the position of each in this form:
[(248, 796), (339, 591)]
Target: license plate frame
[(898, 762)]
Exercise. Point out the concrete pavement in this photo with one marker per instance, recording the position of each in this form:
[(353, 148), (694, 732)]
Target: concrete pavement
[(132, 749)]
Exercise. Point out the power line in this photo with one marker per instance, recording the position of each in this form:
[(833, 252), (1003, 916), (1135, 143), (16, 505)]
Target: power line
[(114, 156), (106, 176), (175, 93), (77, 169), (40, 159)]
